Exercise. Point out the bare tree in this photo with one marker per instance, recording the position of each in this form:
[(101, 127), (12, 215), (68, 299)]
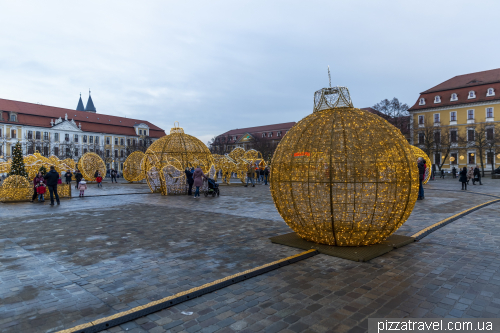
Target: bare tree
[(478, 139), (396, 113), (138, 145), (492, 142), (424, 135), (446, 139)]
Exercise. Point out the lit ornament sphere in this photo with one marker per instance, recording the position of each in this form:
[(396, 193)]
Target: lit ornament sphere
[(132, 170), (16, 188), (89, 164), (343, 176), (417, 152), (177, 149)]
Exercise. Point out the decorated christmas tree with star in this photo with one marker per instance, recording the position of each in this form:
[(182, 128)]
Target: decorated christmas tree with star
[(17, 165)]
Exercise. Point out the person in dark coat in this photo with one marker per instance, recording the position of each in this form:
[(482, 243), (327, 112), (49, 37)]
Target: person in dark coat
[(68, 176), (477, 175), (266, 175), (454, 172), (198, 176), (38, 178), (433, 172), (52, 177), (78, 177), (421, 176), (442, 174), (463, 178), (113, 175), (190, 180)]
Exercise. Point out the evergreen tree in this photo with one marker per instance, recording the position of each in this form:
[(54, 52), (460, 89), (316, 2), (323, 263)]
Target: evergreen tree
[(43, 170), (17, 165)]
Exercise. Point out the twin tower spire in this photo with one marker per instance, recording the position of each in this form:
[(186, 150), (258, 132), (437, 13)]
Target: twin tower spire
[(90, 105)]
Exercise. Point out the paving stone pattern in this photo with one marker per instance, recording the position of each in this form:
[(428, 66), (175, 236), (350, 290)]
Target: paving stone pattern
[(65, 265)]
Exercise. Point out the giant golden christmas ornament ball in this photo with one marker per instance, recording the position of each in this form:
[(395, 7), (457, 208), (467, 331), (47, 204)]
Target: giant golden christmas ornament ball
[(343, 176), (132, 170), (417, 152), (178, 150), (89, 164)]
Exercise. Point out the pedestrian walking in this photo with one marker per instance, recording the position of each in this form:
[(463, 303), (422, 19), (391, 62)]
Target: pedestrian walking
[(99, 180), (421, 177), (38, 178), (198, 177), (477, 176), (250, 174), (82, 187), (261, 174), (51, 177), (40, 189), (433, 172), (442, 174), (189, 180), (454, 172), (78, 177), (463, 178), (266, 175), (113, 175), (68, 176), (470, 174)]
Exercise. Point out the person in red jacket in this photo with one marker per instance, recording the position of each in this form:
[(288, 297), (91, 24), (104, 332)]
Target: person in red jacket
[(41, 189)]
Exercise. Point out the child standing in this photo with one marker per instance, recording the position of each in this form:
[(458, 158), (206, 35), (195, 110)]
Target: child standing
[(40, 190), (82, 187), (98, 179)]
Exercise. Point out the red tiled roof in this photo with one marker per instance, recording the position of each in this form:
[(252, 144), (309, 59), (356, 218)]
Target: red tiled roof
[(258, 129), (40, 115), (462, 96), (468, 80)]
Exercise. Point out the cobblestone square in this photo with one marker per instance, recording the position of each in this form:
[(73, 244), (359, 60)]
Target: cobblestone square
[(121, 247)]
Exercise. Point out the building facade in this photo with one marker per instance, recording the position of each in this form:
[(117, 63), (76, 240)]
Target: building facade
[(262, 138), (456, 122), (72, 133)]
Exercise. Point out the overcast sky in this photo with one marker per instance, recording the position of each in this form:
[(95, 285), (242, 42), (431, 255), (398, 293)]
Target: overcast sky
[(219, 65)]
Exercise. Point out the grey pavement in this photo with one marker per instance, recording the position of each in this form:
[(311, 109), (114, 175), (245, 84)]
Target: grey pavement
[(92, 257)]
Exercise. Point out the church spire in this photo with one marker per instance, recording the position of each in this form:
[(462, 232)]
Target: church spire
[(79, 107), (90, 105)]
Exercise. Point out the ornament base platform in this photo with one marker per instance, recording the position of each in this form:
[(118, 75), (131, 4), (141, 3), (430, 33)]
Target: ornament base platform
[(355, 253)]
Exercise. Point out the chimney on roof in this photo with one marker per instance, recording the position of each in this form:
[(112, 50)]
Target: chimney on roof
[(90, 105), (79, 107)]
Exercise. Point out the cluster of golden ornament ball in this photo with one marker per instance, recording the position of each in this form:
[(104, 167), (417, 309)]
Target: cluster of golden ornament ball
[(237, 161)]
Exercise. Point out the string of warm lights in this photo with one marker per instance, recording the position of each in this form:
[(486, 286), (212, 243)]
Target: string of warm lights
[(343, 176), (237, 162)]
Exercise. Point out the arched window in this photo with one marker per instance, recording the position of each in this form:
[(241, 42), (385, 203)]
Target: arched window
[(437, 99), (422, 101), (490, 92), (472, 94), (454, 97)]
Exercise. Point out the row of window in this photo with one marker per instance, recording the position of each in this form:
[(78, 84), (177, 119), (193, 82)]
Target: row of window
[(454, 136), (470, 159), (264, 135), (453, 116), (454, 96)]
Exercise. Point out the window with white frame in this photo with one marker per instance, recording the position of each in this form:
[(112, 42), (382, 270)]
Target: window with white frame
[(270, 134), (12, 117), (76, 139), (489, 112), (436, 118), (472, 94), (91, 139), (38, 135), (453, 116), (421, 138), (278, 133), (97, 140), (107, 140), (13, 133), (263, 135), (470, 114), (437, 99), (56, 137), (454, 97), (46, 136), (490, 92), (422, 101), (30, 135), (66, 137), (421, 120)]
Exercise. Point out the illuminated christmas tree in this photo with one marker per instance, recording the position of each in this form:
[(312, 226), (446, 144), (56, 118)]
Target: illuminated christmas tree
[(17, 165)]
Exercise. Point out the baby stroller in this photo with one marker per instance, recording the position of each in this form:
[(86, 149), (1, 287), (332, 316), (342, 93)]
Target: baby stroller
[(213, 188)]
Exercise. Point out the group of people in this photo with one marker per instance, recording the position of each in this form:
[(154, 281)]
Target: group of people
[(194, 177), (259, 174), (466, 176), (43, 182)]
